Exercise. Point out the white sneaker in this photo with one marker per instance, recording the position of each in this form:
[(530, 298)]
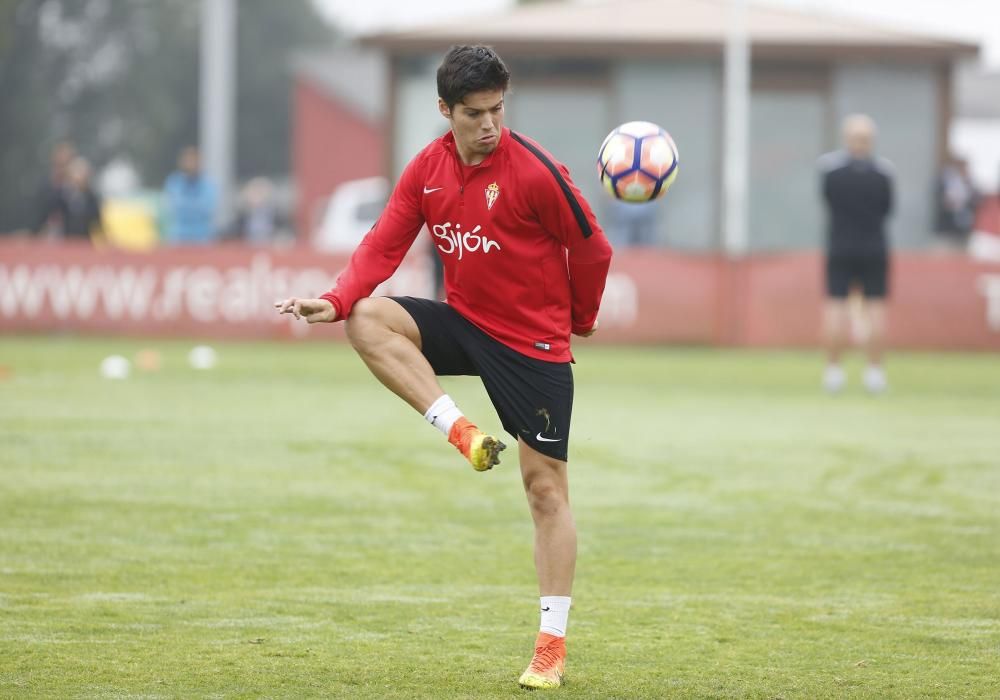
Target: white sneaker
[(834, 378), (874, 379)]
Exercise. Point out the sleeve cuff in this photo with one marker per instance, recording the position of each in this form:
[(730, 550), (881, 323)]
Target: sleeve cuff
[(336, 305)]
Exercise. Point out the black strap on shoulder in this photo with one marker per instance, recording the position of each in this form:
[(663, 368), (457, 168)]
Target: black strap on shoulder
[(581, 218)]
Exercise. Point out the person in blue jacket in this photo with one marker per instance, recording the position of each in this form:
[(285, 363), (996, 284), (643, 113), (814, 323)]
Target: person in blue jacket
[(190, 201)]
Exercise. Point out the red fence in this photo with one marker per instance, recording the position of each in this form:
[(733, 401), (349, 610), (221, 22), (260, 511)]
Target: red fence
[(942, 301)]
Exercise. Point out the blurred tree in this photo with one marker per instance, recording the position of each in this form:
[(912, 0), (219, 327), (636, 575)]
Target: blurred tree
[(7, 8), (121, 79), (268, 33), (25, 103)]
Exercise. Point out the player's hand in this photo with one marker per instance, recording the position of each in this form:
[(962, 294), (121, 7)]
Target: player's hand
[(312, 310), (590, 332)]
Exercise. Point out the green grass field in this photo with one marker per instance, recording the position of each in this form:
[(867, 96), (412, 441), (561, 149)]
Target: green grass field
[(283, 527)]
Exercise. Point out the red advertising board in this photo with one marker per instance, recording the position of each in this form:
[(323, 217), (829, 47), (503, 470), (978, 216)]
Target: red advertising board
[(943, 301)]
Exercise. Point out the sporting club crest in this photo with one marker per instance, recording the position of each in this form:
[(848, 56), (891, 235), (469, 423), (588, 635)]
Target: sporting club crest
[(492, 192)]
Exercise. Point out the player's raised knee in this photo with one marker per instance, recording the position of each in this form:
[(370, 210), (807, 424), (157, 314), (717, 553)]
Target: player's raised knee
[(365, 318)]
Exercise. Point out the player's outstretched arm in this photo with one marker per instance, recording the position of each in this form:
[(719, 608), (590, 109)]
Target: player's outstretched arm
[(312, 310)]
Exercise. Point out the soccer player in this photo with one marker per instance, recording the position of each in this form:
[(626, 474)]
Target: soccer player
[(525, 265), (857, 188)]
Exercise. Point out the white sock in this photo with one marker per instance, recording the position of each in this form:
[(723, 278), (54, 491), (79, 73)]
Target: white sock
[(443, 413), (555, 614)]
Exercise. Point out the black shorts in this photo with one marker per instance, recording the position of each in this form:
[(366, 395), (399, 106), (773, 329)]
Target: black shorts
[(533, 398), (868, 270)]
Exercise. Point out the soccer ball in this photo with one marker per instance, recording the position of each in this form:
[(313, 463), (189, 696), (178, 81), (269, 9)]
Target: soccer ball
[(637, 162)]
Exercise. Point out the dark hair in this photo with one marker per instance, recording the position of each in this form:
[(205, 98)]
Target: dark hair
[(467, 69)]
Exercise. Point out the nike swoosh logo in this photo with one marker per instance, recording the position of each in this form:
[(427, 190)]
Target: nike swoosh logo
[(428, 190), (545, 609), (545, 439)]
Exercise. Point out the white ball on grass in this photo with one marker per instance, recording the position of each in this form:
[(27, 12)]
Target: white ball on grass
[(202, 357), (115, 367)]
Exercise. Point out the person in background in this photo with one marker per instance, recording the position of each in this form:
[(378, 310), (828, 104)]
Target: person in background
[(958, 201), (437, 274), (634, 224), (47, 221), (258, 221), (858, 191), (190, 202), (78, 205)]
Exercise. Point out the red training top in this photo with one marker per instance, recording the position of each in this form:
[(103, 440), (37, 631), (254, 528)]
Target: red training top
[(503, 229)]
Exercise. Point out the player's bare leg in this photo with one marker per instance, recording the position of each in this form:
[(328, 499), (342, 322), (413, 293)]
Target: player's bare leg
[(876, 338), (835, 326), (874, 379), (388, 340), (546, 484)]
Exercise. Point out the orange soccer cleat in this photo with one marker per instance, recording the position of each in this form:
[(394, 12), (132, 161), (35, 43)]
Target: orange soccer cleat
[(547, 667), (482, 450)]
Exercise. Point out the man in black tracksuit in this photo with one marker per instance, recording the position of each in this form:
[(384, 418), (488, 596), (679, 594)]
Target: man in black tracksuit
[(858, 191)]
